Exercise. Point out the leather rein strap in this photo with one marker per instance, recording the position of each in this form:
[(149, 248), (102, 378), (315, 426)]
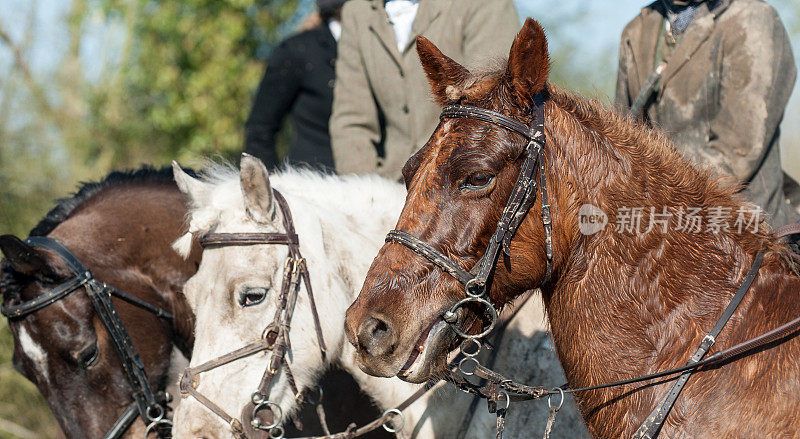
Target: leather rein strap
[(146, 404)]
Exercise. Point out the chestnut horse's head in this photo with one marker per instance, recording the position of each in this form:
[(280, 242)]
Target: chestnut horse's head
[(457, 186)]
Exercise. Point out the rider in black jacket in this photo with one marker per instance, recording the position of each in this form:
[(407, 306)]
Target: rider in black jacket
[(299, 80)]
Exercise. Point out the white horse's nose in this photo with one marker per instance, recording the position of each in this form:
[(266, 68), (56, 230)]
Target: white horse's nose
[(193, 421)]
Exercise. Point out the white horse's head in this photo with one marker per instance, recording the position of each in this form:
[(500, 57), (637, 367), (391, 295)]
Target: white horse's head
[(340, 223)]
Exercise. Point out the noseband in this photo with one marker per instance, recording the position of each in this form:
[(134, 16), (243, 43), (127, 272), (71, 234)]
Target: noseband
[(275, 336), (151, 407)]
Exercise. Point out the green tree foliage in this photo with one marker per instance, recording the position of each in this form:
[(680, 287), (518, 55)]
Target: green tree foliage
[(171, 80), (189, 79)]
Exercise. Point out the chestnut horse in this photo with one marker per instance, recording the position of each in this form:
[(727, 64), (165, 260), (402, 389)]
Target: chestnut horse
[(621, 304)]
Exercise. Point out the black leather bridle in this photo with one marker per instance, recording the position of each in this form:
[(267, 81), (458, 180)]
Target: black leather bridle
[(151, 407)]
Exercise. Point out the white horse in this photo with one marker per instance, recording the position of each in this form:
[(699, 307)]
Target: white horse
[(341, 223)]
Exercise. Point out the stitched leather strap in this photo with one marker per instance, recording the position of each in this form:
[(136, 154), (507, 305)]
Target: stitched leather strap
[(788, 229), (652, 424), (225, 239), (430, 253)]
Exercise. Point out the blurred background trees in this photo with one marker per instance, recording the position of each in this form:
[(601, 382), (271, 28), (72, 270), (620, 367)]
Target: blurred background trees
[(87, 86)]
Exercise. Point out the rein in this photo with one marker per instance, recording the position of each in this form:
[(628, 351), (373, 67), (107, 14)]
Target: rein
[(501, 391), (151, 407)]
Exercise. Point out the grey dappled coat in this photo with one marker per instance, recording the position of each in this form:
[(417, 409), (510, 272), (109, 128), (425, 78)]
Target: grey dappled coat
[(723, 92), (383, 110)]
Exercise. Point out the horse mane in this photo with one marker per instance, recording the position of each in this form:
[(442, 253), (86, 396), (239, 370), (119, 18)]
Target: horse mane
[(65, 207), (649, 152), (623, 150), (320, 190), (87, 190)]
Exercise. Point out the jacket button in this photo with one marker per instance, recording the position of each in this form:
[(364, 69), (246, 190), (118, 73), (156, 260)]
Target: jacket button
[(331, 83), (405, 109)]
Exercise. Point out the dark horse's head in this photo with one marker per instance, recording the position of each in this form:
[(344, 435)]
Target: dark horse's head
[(457, 187), (120, 229)]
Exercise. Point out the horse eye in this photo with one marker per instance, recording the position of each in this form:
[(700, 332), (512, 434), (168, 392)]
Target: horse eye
[(477, 181), (87, 357), (252, 296)]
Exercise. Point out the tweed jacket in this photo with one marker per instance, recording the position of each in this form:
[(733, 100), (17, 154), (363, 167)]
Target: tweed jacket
[(723, 93), (383, 110)]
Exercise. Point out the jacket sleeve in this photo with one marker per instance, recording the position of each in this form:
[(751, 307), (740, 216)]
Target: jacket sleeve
[(757, 77), (489, 30), (354, 124), (274, 99), (622, 98)]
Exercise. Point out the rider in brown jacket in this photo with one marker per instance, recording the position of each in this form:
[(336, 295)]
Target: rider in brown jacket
[(725, 73), (382, 107)]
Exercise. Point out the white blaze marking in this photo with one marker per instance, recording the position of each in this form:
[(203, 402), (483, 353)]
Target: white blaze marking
[(35, 352)]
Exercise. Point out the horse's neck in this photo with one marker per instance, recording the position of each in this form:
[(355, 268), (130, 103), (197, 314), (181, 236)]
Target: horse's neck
[(624, 304)]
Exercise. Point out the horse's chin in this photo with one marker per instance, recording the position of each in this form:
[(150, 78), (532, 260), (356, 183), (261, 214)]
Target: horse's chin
[(428, 357)]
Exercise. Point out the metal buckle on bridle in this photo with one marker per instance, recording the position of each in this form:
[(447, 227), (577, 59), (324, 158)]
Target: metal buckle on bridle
[(394, 414), (260, 403), (491, 313)]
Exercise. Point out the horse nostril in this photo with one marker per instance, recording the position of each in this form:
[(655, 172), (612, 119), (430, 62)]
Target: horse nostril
[(376, 337)]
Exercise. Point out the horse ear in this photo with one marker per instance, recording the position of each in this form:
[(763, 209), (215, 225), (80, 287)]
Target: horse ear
[(528, 62), (444, 75), (192, 188), (22, 257), (256, 189)]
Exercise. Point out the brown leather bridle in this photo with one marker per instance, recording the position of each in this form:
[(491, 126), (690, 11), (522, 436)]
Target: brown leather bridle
[(275, 336)]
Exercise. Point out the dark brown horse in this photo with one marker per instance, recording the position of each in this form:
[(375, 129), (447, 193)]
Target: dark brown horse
[(622, 303), (120, 229)]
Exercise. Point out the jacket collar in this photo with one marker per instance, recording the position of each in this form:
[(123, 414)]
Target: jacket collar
[(650, 29), (698, 31), (426, 14), (324, 36), (381, 27)]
